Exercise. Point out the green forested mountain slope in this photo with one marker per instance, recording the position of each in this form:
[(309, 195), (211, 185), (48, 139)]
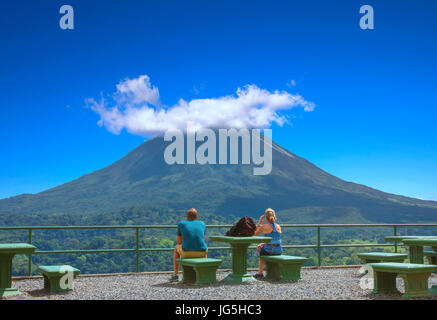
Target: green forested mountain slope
[(296, 188)]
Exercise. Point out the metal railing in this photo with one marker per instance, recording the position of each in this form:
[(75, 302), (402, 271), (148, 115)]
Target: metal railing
[(137, 250)]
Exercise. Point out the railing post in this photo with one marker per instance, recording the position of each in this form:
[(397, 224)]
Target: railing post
[(395, 233), (29, 256), (319, 260), (138, 248)]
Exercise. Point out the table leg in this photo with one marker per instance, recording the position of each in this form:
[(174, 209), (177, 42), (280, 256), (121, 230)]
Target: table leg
[(239, 264), (6, 276), (416, 254), (433, 289)]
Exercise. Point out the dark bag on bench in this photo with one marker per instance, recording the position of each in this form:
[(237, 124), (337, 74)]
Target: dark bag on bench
[(245, 227)]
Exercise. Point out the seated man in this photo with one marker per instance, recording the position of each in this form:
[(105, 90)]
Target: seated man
[(190, 239)]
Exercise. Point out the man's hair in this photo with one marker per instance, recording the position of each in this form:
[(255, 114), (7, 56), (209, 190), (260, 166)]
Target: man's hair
[(192, 214)]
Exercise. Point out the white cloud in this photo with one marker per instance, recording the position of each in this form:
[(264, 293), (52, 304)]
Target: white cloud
[(136, 107), (137, 91), (291, 83)]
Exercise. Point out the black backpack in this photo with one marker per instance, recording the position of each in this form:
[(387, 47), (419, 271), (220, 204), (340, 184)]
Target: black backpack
[(245, 227)]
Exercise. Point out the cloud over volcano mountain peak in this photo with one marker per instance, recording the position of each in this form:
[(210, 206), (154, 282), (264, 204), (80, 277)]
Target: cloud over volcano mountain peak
[(136, 106)]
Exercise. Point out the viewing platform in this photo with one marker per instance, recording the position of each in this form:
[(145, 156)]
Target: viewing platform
[(324, 283), (317, 281)]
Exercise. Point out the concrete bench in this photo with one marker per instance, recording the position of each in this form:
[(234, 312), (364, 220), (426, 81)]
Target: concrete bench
[(200, 270), (283, 267), (415, 278), (53, 276), (373, 257), (431, 255)]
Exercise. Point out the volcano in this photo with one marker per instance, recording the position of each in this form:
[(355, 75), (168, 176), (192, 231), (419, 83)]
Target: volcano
[(298, 190)]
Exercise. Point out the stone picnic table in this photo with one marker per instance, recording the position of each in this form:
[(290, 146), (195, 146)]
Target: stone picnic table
[(397, 239), (239, 255), (7, 253), (416, 245), (416, 251)]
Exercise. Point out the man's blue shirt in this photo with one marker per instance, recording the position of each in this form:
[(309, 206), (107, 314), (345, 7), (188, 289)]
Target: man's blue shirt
[(193, 233)]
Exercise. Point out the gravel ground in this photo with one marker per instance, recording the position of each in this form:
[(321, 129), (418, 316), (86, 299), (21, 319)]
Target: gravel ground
[(333, 283)]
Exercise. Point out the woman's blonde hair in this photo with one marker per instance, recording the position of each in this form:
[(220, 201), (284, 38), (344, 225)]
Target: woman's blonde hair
[(270, 215)]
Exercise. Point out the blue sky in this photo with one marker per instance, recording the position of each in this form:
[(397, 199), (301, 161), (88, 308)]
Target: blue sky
[(375, 91)]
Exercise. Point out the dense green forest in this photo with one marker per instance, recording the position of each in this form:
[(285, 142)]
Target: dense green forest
[(165, 238)]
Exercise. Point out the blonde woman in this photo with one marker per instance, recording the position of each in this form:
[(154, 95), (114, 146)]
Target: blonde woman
[(270, 229)]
